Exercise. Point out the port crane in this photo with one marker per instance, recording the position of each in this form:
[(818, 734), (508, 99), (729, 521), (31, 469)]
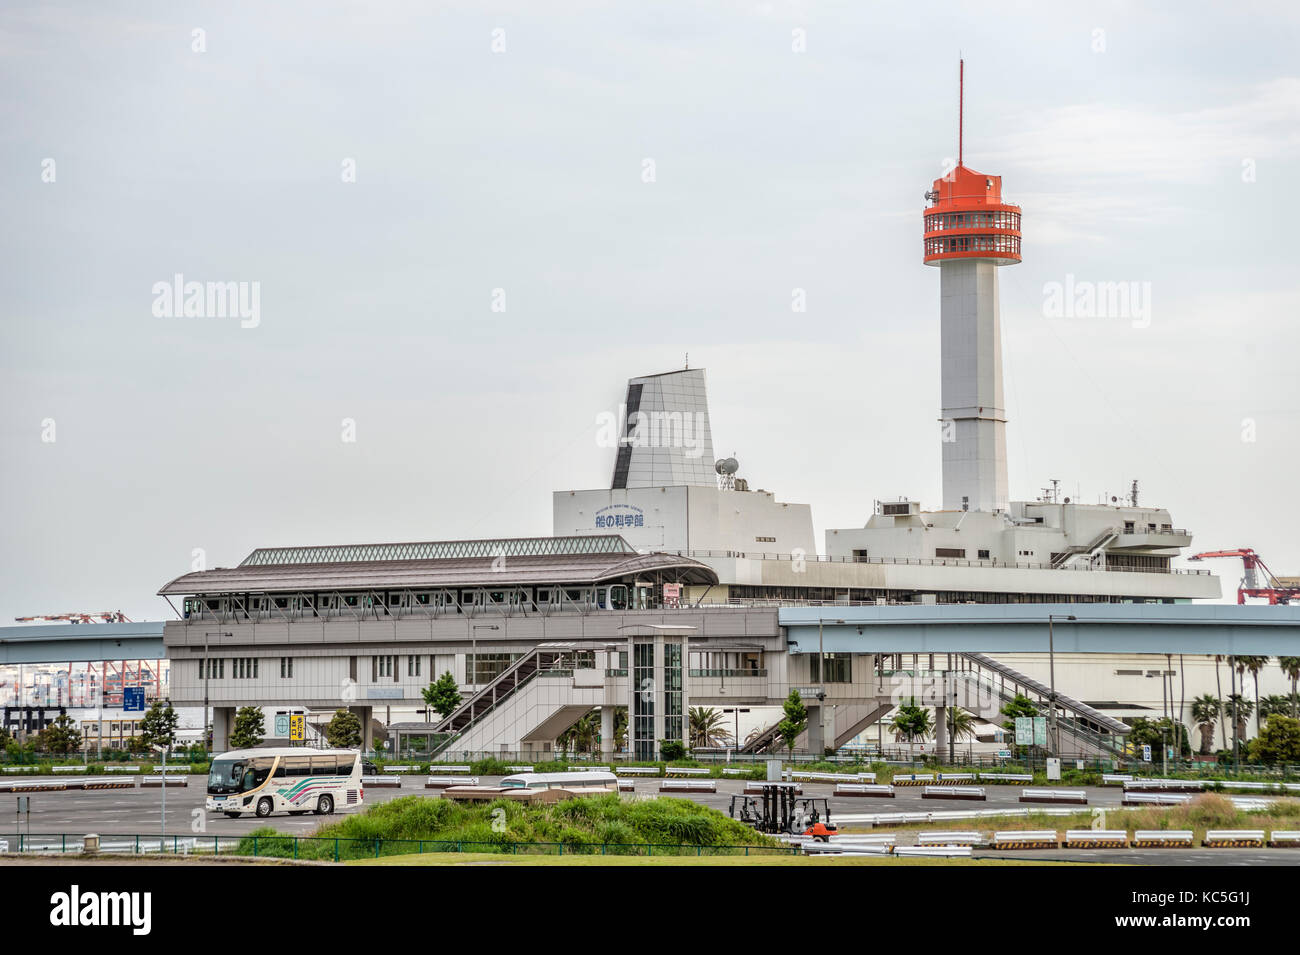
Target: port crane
[(1258, 580)]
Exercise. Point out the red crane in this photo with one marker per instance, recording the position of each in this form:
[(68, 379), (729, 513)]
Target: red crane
[(106, 616), (1275, 591)]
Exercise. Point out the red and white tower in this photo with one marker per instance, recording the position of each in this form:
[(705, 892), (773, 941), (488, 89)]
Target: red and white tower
[(969, 233)]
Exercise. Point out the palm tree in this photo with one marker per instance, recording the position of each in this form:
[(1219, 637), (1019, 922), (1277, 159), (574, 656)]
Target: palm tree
[(1274, 704), (1291, 667), (1206, 711), (1254, 665), (1218, 686), (1238, 709), (912, 723), (582, 736), (707, 728), (961, 725)]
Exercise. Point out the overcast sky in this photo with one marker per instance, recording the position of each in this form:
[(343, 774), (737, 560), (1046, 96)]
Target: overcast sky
[(379, 169)]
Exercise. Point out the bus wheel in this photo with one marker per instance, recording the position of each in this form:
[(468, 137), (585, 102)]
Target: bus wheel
[(264, 807), (325, 806)]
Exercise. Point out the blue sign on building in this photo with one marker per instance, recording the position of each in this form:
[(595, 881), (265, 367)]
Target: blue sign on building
[(133, 699)]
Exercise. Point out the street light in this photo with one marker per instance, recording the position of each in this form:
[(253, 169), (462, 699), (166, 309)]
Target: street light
[(1051, 667), (474, 640)]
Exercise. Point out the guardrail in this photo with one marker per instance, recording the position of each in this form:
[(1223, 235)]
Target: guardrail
[(157, 782), (1026, 839), (756, 788), (1162, 799), (869, 790), (636, 771), (1163, 839), (687, 771), (1016, 778), (337, 850), (1234, 838), (913, 779), (962, 838), (1075, 796), (954, 792), (382, 782), (808, 776), (688, 786), (1096, 839), (446, 782), (1285, 839)]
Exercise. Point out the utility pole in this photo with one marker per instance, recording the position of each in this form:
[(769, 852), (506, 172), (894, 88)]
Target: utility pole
[(1054, 735)]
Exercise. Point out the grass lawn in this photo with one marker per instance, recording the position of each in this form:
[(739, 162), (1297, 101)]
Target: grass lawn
[(489, 858)]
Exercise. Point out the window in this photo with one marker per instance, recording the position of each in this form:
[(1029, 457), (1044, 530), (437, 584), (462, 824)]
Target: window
[(949, 552), (286, 668), (413, 666), (839, 668), (383, 667), (983, 555), (216, 669)]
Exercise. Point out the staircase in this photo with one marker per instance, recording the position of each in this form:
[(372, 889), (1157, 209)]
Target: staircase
[(1094, 545), (537, 691)]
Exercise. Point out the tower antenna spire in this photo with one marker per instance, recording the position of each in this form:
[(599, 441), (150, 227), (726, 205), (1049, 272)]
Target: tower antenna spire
[(961, 106)]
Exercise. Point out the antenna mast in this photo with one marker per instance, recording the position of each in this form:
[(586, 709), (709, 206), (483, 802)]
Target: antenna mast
[(961, 105)]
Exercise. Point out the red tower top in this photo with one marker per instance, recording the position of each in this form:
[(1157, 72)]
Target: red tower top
[(966, 218)]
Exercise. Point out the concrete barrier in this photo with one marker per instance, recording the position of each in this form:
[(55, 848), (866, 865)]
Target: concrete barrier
[(382, 782), (954, 779), (1074, 796), (104, 783), (953, 792), (943, 852), (1115, 779), (401, 769), (686, 771), (808, 776), (688, 786), (1012, 778), (1233, 839), (1166, 785), (1162, 839), (1096, 839), (1161, 799), (729, 771), (156, 782), (626, 786), (1285, 839), (965, 838), (866, 790), (637, 771), (1026, 839), (444, 782), (913, 779)]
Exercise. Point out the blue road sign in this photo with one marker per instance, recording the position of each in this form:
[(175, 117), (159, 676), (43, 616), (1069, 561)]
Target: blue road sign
[(133, 699)]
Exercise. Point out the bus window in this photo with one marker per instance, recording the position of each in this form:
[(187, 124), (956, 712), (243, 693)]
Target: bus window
[(324, 766), (255, 772), (298, 766)]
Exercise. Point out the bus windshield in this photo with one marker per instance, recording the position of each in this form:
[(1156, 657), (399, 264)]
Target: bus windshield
[(226, 775), (238, 775)]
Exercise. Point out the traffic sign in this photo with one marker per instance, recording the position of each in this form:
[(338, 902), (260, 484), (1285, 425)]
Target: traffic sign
[(281, 725), (1024, 730), (296, 724), (1146, 752), (1040, 730), (1004, 754), (133, 699)]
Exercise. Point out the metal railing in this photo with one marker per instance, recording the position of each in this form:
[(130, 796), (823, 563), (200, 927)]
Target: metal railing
[(341, 849), (925, 561)]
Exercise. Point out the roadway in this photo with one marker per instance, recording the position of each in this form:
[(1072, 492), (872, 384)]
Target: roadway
[(138, 811)]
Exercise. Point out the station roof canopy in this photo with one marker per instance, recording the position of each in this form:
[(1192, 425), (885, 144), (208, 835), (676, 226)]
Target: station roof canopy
[(530, 561)]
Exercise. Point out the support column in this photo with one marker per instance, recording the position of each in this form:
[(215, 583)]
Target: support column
[(816, 729), (941, 732), (223, 718), (364, 714), (606, 732)]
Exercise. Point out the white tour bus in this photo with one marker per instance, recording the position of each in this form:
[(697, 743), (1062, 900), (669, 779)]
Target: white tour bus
[(292, 780)]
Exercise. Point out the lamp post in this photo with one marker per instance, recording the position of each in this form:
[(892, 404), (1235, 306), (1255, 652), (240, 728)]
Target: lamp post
[(474, 642), (1051, 670)]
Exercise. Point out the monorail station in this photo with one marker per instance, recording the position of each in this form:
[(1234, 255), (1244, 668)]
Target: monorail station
[(537, 632)]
